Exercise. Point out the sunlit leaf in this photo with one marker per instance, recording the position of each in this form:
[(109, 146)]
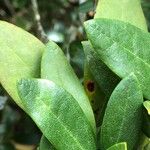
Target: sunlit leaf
[(124, 10), (147, 106), (124, 48), (20, 56), (55, 67), (57, 114), (118, 146)]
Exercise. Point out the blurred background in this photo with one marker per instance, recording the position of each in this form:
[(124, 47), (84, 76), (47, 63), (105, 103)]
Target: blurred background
[(62, 21)]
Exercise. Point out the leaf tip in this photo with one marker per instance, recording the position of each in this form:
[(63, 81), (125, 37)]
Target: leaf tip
[(146, 104)]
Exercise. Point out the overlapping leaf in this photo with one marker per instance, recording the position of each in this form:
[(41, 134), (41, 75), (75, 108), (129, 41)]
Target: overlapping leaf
[(123, 115), (45, 144), (56, 68), (147, 106), (105, 78), (146, 118), (57, 114), (123, 48), (20, 56), (124, 10), (119, 146)]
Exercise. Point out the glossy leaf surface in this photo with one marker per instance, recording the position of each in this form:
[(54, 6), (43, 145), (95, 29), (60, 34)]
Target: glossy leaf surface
[(20, 56), (123, 115), (119, 146), (56, 68), (57, 114), (123, 48)]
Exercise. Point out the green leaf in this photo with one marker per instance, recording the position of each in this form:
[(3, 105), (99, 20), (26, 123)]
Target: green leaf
[(147, 106), (144, 140), (123, 48), (146, 119), (119, 146), (147, 147), (123, 115), (20, 56), (124, 10), (86, 6), (94, 92), (105, 78), (57, 114), (55, 67), (45, 144)]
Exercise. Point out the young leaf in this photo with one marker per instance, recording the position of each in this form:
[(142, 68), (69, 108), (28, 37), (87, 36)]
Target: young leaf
[(123, 48), (45, 144), (20, 56), (105, 78), (147, 106), (146, 118), (147, 147), (55, 67), (124, 10), (144, 140), (57, 114), (123, 115), (146, 123), (119, 146)]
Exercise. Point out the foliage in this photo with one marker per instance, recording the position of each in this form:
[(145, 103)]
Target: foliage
[(42, 82)]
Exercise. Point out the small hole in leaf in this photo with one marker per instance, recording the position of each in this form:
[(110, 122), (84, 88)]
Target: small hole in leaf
[(90, 86)]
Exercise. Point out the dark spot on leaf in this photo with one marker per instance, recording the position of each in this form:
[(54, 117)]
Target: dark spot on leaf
[(90, 86)]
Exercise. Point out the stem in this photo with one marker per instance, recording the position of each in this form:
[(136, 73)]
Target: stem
[(37, 16), (10, 7)]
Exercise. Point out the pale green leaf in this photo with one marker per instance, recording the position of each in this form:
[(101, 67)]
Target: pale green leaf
[(123, 48), (20, 56), (55, 67), (119, 146), (124, 10), (123, 115), (147, 147), (57, 114)]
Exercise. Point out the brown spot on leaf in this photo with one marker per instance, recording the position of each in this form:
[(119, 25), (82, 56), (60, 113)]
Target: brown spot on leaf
[(90, 86)]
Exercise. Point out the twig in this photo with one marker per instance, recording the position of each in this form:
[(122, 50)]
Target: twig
[(41, 32), (10, 7)]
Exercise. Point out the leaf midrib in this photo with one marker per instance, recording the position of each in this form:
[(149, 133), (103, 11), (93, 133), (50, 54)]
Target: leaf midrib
[(114, 41), (66, 129), (128, 52)]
